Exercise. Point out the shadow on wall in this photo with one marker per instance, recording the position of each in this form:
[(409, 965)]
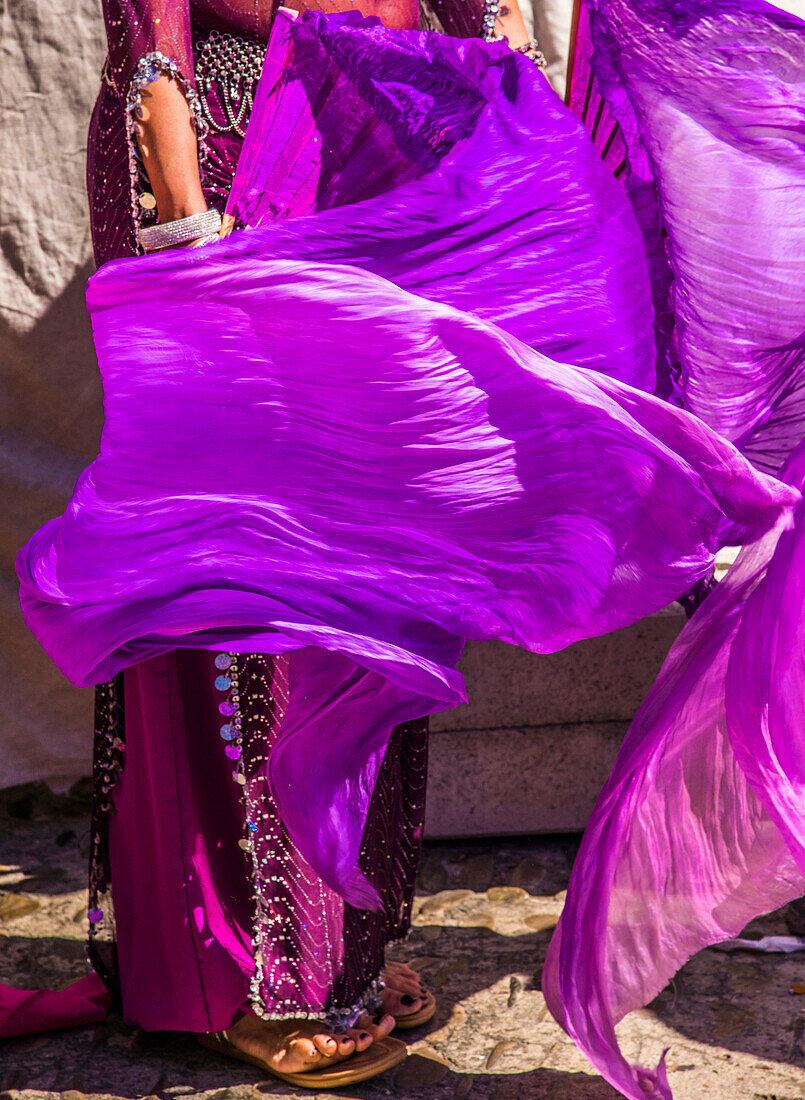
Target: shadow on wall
[(49, 431)]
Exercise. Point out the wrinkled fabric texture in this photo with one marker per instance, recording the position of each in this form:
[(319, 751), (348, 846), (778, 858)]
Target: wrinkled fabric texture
[(407, 475), (50, 394), (501, 206)]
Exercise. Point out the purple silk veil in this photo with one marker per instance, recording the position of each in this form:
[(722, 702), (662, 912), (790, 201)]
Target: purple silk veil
[(700, 826), (303, 453)]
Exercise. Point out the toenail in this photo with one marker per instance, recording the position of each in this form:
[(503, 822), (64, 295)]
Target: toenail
[(365, 1035), (378, 1018), (406, 999)]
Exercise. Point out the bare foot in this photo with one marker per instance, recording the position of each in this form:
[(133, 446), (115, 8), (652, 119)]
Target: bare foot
[(299, 1046), (404, 992)]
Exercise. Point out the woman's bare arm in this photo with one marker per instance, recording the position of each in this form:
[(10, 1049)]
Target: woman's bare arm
[(167, 138), (169, 149)]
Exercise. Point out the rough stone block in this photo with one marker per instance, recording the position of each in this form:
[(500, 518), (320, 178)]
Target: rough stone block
[(599, 680), (505, 782), (531, 750)]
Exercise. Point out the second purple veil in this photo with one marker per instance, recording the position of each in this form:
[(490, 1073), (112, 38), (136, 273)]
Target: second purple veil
[(699, 109)]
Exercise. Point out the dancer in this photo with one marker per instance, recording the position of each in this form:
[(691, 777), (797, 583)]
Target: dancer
[(174, 86), (174, 81)]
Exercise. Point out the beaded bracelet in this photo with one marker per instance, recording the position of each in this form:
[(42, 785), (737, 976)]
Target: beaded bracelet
[(181, 231), (531, 50)]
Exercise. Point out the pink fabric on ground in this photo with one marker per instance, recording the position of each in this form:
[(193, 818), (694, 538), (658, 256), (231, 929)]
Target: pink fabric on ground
[(23, 1011)]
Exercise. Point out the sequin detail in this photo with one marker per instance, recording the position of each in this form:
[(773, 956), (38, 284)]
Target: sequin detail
[(490, 17), (316, 957), (108, 758)]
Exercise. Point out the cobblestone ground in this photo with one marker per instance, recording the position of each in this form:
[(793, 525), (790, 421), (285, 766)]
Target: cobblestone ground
[(484, 914)]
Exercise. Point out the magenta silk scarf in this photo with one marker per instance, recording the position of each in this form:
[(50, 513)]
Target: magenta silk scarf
[(354, 427)]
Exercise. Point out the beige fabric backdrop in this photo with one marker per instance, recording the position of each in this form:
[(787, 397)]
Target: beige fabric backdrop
[(51, 52)]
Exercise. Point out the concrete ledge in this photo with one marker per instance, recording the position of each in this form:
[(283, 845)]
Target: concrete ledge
[(600, 680), (531, 750), (507, 782)]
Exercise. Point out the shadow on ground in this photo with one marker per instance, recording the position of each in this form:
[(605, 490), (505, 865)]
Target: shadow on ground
[(728, 1016), (112, 1060)]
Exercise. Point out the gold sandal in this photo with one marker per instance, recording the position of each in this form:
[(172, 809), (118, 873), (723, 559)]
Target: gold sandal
[(417, 1019), (382, 1055)]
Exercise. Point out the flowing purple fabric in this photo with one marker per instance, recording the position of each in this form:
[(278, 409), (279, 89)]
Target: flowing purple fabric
[(302, 453), (699, 107), (700, 826), (352, 433), (512, 217)]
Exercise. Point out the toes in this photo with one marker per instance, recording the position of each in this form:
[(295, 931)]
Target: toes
[(402, 979), (361, 1036), (402, 1004), (403, 970), (345, 1043), (326, 1045), (407, 990), (304, 1049), (379, 1025)]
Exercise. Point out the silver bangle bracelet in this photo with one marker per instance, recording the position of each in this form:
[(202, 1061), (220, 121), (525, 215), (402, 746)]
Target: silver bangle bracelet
[(151, 238)]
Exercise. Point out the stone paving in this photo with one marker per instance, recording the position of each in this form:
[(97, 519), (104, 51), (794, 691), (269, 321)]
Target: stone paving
[(484, 914)]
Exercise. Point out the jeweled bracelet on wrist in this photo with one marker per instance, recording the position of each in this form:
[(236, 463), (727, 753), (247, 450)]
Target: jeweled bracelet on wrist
[(151, 238), (532, 51)]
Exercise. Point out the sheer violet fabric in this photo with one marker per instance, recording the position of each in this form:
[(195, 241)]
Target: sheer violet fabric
[(699, 828), (699, 109)]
